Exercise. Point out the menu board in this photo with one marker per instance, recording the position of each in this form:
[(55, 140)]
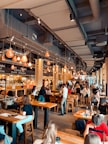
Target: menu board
[(6, 68)]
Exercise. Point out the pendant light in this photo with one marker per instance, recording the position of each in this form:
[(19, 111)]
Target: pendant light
[(24, 58), (10, 52), (30, 64), (47, 54), (12, 67)]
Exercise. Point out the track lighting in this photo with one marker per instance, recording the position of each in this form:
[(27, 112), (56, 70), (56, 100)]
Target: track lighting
[(72, 17)]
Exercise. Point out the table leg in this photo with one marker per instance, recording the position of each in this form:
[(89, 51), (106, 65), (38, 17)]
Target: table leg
[(35, 117), (46, 116), (14, 133)]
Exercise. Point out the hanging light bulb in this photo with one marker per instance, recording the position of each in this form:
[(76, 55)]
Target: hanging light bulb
[(10, 53), (47, 54), (48, 63), (29, 64), (24, 59), (3, 57), (12, 67), (18, 58), (14, 58)]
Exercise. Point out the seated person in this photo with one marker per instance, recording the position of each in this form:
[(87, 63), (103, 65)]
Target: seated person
[(27, 107), (92, 139), (98, 124), (49, 136), (4, 138)]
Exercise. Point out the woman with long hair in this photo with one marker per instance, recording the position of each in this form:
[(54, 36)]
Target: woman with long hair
[(49, 136)]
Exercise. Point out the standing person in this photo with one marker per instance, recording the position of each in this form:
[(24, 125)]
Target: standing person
[(64, 98), (42, 94), (34, 92), (27, 108)]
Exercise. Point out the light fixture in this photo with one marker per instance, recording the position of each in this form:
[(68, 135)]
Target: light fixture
[(72, 17), (30, 64), (39, 21), (48, 63), (47, 54), (24, 58), (12, 67), (10, 53), (18, 58), (14, 58)]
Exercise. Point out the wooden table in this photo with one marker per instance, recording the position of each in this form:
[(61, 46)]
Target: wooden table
[(66, 138), (81, 114), (10, 119), (46, 106)]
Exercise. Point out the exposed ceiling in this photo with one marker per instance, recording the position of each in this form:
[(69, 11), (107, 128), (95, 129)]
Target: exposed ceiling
[(86, 38)]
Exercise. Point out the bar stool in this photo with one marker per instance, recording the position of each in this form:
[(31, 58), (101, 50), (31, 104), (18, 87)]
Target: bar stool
[(70, 102), (28, 131)]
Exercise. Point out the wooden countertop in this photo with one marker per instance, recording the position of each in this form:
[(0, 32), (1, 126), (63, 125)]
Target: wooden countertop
[(11, 118), (43, 104), (81, 114), (66, 138)]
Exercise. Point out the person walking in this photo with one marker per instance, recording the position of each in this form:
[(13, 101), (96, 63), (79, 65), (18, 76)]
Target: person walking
[(64, 98)]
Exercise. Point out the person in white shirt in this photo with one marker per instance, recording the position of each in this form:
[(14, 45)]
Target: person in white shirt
[(64, 98)]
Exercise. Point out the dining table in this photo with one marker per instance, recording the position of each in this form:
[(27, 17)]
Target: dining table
[(66, 138), (83, 114), (46, 106), (11, 117)]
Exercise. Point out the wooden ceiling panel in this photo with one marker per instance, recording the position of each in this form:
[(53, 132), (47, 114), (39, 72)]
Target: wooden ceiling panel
[(55, 15), (70, 34), (22, 3), (76, 42)]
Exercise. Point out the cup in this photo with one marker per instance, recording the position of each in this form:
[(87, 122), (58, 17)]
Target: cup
[(24, 113)]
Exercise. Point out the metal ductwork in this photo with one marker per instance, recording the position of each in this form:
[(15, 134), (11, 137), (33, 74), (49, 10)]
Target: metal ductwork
[(95, 8)]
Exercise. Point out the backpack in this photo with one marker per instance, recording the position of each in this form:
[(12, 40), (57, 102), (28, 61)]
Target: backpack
[(80, 125)]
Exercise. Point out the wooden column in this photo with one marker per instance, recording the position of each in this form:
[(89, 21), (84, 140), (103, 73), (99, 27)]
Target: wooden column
[(64, 75), (104, 76), (38, 73), (106, 65), (55, 76)]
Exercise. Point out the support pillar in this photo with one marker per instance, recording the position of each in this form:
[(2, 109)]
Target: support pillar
[(38, 73)]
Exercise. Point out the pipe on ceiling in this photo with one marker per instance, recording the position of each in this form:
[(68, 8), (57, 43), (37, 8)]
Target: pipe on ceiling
[(95, 8)]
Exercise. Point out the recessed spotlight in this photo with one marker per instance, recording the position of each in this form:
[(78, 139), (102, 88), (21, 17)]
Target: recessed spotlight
[(20, 14)]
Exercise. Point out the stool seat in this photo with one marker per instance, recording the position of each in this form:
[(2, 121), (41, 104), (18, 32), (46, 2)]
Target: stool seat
[(28, 131), (70, 102)]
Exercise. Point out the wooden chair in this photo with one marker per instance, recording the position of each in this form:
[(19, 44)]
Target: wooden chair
[(28, 131), (70, 102), (58, 103), (53, 100)]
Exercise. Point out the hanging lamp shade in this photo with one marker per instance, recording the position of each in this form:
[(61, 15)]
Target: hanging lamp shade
[(47, 54), (14, 58), (3, 57), (12, 67), (29, 64), (10, 53), (24, 59)]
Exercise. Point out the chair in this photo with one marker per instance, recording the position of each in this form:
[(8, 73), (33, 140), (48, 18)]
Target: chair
[(58, 103), (28, 131), (70, 101), (53, 100)]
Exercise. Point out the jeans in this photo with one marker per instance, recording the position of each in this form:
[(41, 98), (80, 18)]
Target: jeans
[(23, 121), (63, 105)]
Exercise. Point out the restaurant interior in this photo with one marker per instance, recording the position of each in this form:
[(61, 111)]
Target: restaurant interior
[(61, 48)]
